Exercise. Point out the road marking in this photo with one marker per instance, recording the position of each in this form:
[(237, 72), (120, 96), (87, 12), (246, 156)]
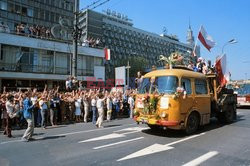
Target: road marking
[(11, 141), (87, 131), (201, 159), (117, 143), (155, 148), (19, 140), (109, 136), (70, 133), (185, 139), (133, 129)]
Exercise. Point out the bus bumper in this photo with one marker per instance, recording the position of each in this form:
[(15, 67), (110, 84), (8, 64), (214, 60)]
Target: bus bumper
[(152, 121)]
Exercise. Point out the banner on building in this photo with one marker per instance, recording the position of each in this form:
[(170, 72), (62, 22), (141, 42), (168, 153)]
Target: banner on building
[(107, 54), (120, 76)]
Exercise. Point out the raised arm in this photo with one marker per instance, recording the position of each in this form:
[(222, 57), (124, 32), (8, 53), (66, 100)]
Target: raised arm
[(57, 89)]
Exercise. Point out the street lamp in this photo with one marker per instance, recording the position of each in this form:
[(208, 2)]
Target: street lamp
[(75, 39), (232, 41), (128, 67)]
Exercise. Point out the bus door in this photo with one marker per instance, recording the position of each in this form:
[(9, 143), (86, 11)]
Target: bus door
[(202, 100), (188, 100)]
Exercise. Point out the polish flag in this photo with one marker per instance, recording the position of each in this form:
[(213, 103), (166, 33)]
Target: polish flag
[(221, 69), (205, 39), (107, 53)]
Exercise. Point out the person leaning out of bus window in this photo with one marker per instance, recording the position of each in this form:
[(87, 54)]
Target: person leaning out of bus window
[(184, 91)]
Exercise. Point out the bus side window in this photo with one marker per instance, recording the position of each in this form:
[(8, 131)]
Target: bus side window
[(200, 87), (186, 84)]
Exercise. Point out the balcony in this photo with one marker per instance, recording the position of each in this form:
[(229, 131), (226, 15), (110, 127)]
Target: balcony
[(45, 44), (39, 69)]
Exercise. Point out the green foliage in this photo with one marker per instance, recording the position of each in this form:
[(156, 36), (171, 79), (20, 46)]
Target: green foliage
[(137, 64)]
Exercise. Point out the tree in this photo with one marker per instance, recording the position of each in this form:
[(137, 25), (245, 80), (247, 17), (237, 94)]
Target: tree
[(137, 64)]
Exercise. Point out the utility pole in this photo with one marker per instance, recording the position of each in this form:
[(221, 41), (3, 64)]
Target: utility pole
[(75, 39), (128, 67)]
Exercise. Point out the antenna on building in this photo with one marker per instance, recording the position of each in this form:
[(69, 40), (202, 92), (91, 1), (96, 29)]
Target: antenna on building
[(189, 24), (164, 30)]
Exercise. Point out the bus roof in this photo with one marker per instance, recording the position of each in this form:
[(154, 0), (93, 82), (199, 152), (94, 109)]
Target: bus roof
[(175, 72)]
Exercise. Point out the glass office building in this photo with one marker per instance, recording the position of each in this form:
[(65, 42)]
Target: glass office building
[(116, 32)]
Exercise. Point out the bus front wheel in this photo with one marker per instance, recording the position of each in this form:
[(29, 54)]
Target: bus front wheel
[(192, 123)]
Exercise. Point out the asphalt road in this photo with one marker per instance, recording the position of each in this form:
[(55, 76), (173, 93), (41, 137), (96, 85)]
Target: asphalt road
[(122, 142)]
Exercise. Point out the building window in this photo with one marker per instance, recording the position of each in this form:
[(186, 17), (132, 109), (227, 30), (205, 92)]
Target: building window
[(201, 87), (62, 5), (17, 9), (52, 17), (30, 12), (3, 5), (36, 12), (57, 18), (46, 61), (47, 17), (11, 7), (24, 11), (1, 52), (42, 13)]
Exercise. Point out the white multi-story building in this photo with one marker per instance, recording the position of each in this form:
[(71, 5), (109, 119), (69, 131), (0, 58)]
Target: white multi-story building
[(31, 62), (36, 50)]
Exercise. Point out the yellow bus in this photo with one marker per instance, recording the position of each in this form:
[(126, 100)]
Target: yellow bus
[(181, 99)]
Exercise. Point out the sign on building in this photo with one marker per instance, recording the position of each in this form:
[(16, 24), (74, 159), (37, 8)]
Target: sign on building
[(120, 76)]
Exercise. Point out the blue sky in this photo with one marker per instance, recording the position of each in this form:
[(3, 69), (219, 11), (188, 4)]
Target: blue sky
[(222, 19)]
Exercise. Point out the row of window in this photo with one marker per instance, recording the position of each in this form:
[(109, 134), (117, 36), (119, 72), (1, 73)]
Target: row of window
[(123, 33), (30, 11), (200, 86), (146, 43), (29, 56), (62, 4), (169, 84)]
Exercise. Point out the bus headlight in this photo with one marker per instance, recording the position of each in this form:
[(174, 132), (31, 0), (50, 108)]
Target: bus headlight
[(164, 102), (163, 114), (140, 105)]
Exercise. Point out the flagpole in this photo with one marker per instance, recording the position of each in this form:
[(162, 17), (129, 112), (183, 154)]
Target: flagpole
[(196, 42)]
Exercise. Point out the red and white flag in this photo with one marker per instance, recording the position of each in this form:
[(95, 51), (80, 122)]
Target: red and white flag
[(222, 71), (205, 39), (107, 54)]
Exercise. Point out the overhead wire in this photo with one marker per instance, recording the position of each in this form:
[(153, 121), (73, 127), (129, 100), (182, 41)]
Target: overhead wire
[(92, 4), (100, 4)]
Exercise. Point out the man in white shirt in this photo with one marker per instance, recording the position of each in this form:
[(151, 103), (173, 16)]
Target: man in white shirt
[(99, 105), (131, 103), (43, 108)]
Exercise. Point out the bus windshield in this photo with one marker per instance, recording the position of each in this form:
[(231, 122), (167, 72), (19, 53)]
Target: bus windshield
[(160, 85)]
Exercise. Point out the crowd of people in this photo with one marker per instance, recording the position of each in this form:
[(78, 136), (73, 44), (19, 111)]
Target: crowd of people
[(38, 31), (51, 107), (4, 27), (33, 31), (25, 29), (91, 42), (201, 66)]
